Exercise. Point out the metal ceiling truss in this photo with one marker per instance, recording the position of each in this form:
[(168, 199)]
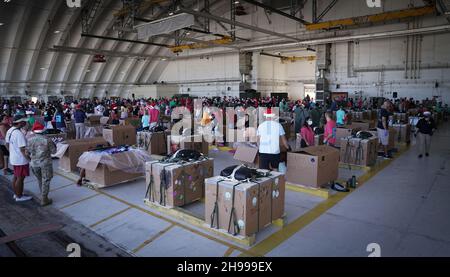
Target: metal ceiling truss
[(325, 11), (274, 10), (127, 20), (88, 13), (233, 19)]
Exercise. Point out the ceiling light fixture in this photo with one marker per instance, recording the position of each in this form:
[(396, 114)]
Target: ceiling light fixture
[(57, 32), (1, 23), (236, 2)]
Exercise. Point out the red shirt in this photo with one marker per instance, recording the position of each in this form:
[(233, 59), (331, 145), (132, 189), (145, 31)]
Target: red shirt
[(330, 129), (154, 115), (308, 135)]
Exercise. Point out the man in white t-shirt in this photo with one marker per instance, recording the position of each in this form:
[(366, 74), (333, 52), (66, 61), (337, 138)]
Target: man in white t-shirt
[(18, 158), (270, 133)]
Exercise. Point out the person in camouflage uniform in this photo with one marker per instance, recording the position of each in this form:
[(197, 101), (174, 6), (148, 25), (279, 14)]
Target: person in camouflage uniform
[(40, 149)]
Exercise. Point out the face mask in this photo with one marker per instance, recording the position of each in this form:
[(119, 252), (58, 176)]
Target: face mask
[(310, 122)]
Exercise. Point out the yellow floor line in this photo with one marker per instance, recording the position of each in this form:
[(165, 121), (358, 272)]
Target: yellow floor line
[(285, 233), (147, 242), (79, 201), (228, 252), (210, 237), (109, 217)]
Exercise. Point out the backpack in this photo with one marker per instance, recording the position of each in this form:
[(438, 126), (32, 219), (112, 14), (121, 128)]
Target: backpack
[(241, 173)]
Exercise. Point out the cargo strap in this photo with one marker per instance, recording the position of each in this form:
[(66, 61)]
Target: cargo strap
[(236, 228), (150, 192), (215, 213), (359, 153), (258, 201), (163, 186), (347, 153)]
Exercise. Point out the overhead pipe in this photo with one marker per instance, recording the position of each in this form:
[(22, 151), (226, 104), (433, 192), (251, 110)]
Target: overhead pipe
[(407, 54), (420, 57), (375, 18), (125, 40), (400, 67), (401, 33)]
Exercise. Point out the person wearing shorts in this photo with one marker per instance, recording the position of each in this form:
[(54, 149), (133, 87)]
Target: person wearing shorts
[(383, 128), (270, 133), (16, 144)]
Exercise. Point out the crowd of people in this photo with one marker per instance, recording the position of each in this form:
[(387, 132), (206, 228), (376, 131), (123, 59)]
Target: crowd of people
[(22, 151)]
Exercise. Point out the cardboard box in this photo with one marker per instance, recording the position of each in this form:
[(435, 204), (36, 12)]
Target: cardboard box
[(360, 116), (104, 120), (247, 154), (403, 132), (131, 121), (363, 125), (185, 182), (392, 136), (154, 143), (187, 142), (69, 151), (57, 138), (105, 175), (342, 133), (256, 204), (357, 151), (286, 127), (93, 119), (318, 140), (120, 134), (313, 166)]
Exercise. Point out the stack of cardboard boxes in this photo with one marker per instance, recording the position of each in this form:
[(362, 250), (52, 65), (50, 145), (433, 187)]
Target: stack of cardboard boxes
[(120, 134), (356, 151), (176, 185), (244, 208), (403, 132), (154, 143)]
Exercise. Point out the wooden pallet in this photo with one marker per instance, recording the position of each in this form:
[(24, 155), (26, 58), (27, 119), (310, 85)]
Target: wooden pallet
[(193, 220)]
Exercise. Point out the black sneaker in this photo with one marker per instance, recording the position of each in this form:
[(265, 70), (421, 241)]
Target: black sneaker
[(426, 154), (420, 156)]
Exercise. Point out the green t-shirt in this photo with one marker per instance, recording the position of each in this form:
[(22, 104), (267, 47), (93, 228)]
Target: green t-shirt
[(31, 120)]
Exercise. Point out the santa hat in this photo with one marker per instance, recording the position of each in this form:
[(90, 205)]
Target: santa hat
[(38, 127), (269, 113)]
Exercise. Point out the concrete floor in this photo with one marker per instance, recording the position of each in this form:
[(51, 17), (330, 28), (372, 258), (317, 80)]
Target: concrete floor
[(403, 205)]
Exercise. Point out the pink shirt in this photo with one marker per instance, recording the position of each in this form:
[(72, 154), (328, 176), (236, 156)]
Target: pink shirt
[(308, 135), (154, 115), (330, 128)]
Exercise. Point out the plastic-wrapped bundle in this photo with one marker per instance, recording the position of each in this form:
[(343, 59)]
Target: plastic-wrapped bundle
[(125, 159)]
